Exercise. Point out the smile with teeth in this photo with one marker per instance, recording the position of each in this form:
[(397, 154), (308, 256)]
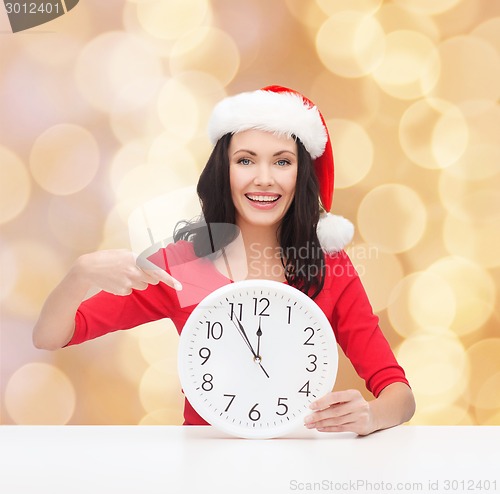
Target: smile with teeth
[(266, 199)]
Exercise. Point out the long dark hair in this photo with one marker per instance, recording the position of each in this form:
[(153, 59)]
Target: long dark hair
[(302, 257)]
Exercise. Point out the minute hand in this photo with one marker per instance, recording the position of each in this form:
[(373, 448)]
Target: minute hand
[(241, 329), (243, 333)]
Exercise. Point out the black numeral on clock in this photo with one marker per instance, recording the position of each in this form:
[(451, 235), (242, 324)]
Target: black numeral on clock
[(262, 304), (305, 389), (239, 310), (230, 401), (207, 382), (254, 414), (312, 362), (204, 353), (281, 403), (214, 330), (308, 341), (289, 308)]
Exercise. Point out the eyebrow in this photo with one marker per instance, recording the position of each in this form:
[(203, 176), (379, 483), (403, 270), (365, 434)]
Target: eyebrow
[(253, 153)]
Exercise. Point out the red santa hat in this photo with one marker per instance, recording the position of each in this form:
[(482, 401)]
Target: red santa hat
[(286, 112)]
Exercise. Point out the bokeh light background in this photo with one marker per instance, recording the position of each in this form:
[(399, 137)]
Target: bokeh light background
[(105, 109)]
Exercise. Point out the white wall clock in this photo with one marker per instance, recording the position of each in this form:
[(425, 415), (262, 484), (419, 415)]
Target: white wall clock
[(253, 355)]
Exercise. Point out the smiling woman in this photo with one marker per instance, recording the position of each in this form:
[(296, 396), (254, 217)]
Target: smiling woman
[(269, 181)]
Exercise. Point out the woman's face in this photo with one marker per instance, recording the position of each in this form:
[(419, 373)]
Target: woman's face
[(262, 175)]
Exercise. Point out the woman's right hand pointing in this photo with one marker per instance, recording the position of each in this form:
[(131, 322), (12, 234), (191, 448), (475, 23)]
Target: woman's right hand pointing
[(117, 272)]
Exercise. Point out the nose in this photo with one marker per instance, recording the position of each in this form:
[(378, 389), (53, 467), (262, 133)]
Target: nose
[(264, 175)]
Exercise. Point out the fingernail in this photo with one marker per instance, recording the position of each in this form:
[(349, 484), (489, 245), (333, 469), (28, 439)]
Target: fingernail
[(177, 285), (313, 406)]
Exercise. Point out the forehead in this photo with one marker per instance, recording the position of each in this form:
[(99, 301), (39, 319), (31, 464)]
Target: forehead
[(255, 139)]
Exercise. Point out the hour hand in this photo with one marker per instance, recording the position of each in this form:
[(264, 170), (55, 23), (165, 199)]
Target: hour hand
[(259, 334)]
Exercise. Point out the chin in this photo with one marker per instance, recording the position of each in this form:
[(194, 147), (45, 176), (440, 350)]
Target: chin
[(260, 220)]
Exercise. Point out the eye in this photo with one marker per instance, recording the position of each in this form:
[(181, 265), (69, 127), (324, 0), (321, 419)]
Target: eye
[(244, 161), (283, 162)]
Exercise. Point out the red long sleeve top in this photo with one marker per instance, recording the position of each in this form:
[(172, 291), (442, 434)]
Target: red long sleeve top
[(342, 299)]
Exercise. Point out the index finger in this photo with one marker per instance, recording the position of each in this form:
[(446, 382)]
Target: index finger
[(168, 279), (157, 273)]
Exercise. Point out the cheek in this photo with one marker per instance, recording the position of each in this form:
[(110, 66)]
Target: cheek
[(291, 183), (238, 178), (233, 178), (236, 183)]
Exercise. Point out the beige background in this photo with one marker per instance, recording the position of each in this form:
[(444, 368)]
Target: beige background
[(104, 111)]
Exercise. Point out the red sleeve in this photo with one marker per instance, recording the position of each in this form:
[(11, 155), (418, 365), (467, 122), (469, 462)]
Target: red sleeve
[(105, 313), (356, 327)]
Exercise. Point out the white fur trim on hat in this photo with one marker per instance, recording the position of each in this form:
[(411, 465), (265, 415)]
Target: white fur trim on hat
[(334, 232), (282, 113)]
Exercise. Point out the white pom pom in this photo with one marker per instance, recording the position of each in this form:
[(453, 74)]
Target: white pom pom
[(334, 232)]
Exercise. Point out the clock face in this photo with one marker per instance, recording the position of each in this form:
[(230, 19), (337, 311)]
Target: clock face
[(253, 355)]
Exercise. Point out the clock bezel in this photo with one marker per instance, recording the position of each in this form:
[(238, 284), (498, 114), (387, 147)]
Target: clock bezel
[(195, 398)]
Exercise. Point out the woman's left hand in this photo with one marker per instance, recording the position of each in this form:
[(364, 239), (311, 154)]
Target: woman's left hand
[(341, 411)]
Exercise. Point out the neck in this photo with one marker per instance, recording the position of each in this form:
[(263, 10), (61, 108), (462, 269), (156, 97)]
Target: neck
[(259, 238), (255, 253), (263, 253)]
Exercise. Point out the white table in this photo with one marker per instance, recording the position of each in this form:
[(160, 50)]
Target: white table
[(171, 460)]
